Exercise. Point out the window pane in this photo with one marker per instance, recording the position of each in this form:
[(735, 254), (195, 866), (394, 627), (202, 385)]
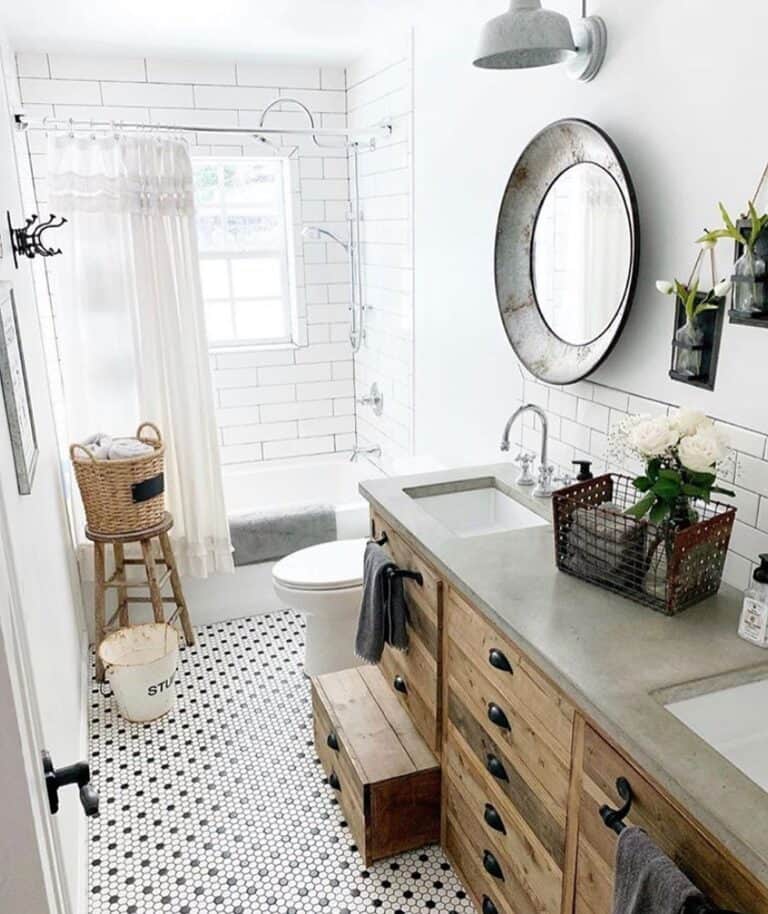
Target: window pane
[(215, 278), (218, 321), (256, 278), (256, 183), (206, 184), (240, 232), (261, 320)]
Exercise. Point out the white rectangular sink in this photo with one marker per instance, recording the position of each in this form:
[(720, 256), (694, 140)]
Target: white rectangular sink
[(476, 511), (734, 722)]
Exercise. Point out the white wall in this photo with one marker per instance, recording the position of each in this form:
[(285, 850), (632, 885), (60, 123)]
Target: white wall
[(282, 402), (35, 525), (380, 88), (671, 97)]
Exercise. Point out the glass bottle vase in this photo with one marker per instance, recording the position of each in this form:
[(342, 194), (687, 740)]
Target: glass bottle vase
[(749, 275), (687, 360)]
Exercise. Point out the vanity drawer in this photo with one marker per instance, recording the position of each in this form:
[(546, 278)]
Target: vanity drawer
[(426, 595), (479, 805), (412, 677), (465, 859), (706, 862), (540, 758), (508, 671)]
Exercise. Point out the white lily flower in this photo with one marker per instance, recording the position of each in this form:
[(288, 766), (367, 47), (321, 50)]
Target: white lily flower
[(665, 287), (723, 288), (708, 245)]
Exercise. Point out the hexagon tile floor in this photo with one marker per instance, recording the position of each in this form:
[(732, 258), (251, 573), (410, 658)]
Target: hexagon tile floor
[(221, 807)]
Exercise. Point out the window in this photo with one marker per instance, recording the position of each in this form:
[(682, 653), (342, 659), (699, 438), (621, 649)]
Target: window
[(245, 234)]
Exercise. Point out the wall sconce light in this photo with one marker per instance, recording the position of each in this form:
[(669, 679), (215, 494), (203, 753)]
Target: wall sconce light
[(528, 36)]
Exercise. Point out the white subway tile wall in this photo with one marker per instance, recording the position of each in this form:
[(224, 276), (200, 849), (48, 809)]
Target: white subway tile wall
[(581, 417), (380, 89), (272, 403)]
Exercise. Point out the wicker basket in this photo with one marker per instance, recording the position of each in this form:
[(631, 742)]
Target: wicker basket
[(122, 496), (666, 569)]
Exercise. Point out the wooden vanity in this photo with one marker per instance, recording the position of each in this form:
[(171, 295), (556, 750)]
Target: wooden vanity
[(524, 769)]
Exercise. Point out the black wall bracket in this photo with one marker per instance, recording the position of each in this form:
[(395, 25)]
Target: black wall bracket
[(28, 241)]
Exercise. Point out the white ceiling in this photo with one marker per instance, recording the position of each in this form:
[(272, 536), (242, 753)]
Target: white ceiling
[(325, 31)]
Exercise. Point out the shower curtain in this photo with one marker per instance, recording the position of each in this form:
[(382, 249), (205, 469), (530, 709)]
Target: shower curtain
[(129, 317)]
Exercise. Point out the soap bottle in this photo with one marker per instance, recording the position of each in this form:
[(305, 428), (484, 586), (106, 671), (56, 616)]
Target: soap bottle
[(585, 470), (753, 625)]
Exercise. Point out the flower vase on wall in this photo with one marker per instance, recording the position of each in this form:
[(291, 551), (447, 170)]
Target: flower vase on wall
[(749, 275), (689, 340)]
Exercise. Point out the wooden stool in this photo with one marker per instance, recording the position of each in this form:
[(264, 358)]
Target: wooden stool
[(118, 581)]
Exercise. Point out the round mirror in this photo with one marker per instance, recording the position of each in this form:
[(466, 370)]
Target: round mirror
[(582, 253), (566, 251)]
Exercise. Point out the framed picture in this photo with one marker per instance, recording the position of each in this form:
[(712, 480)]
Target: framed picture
[(18, 406)]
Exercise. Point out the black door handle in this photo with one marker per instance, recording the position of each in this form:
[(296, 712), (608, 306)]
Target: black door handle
[(332, 741), (399, 683), (491, 865), (333, 780), (492, 817), (495, 767), (79, 774), (498, 717), (499, 661), (488, 906)]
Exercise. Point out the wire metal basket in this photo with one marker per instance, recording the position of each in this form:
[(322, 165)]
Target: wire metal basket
[(660, 566)]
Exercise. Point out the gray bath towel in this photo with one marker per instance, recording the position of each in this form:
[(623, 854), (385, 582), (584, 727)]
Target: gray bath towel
[(605, 545), (270, 535), (647, 881), (384, 610)]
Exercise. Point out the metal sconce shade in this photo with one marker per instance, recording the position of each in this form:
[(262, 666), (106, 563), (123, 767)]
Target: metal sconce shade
[(525, 36), (528, 36)]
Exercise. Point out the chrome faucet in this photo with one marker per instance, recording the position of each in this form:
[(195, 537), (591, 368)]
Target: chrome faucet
[(543, 487)]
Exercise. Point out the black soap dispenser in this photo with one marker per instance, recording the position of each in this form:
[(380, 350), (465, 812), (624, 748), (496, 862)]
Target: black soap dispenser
[(585, 470)]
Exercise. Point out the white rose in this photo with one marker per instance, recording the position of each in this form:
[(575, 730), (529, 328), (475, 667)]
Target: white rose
[(665, 287), (704, 450), (653, 437), (690, 421)]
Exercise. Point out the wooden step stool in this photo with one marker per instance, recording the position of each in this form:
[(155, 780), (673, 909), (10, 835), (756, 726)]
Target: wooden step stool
[(119, 581), (386, 777)]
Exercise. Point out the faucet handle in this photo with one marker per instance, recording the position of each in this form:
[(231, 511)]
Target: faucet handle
[(525, 460), (544, 485)]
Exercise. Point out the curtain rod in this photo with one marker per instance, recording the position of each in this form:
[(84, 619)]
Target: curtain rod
[(51, 123)]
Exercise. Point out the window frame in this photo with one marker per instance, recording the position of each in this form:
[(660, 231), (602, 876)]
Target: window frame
[(288, 266)]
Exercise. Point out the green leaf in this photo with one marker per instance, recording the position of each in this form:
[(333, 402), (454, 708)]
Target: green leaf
[(695, 491), (642, 483), (700, 479), (669, 473), (659, 512), (721, 491), (642, 507), (667, 489), (653, 468), (727, 221)]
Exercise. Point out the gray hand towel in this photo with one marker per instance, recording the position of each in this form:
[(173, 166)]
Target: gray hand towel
[(647, 881), (383, 610)]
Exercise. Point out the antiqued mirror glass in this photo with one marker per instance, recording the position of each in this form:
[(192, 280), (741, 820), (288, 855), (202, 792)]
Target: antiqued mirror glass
[(567, 248), (581, 254)]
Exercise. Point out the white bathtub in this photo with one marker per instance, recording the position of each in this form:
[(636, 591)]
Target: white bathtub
[(326, 481), (329, 480)]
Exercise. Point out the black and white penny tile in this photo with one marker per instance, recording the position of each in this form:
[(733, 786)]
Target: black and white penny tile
[(221, 807)]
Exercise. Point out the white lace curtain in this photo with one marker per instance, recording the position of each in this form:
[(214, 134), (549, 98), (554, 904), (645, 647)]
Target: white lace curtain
[(130, 320)]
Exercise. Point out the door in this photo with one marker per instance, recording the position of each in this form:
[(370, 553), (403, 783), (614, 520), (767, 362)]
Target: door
[(43, 658)]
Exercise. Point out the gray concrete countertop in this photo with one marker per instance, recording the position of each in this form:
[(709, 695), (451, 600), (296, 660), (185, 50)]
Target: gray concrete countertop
[(612, 656)]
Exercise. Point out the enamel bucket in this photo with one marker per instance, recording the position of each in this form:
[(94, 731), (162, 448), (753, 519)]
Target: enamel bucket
[(140, 664)]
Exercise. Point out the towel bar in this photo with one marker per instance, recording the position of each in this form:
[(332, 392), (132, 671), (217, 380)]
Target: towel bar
[(614, 819), (410, 575)]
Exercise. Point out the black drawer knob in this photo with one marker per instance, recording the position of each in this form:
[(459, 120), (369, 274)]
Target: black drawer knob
[(495, 767), (492, 817), (333, 780), (332, 741), (491, 865), (488, 906), (499, 661), (399, 683), (498, 717)]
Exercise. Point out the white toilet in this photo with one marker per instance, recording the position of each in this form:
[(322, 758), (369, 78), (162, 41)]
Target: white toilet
[(325, 583)]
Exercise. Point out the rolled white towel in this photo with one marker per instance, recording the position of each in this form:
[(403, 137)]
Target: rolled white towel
[(98, 445), (128, 448)]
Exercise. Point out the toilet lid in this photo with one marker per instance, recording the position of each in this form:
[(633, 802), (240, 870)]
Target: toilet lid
[(329, 566)]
